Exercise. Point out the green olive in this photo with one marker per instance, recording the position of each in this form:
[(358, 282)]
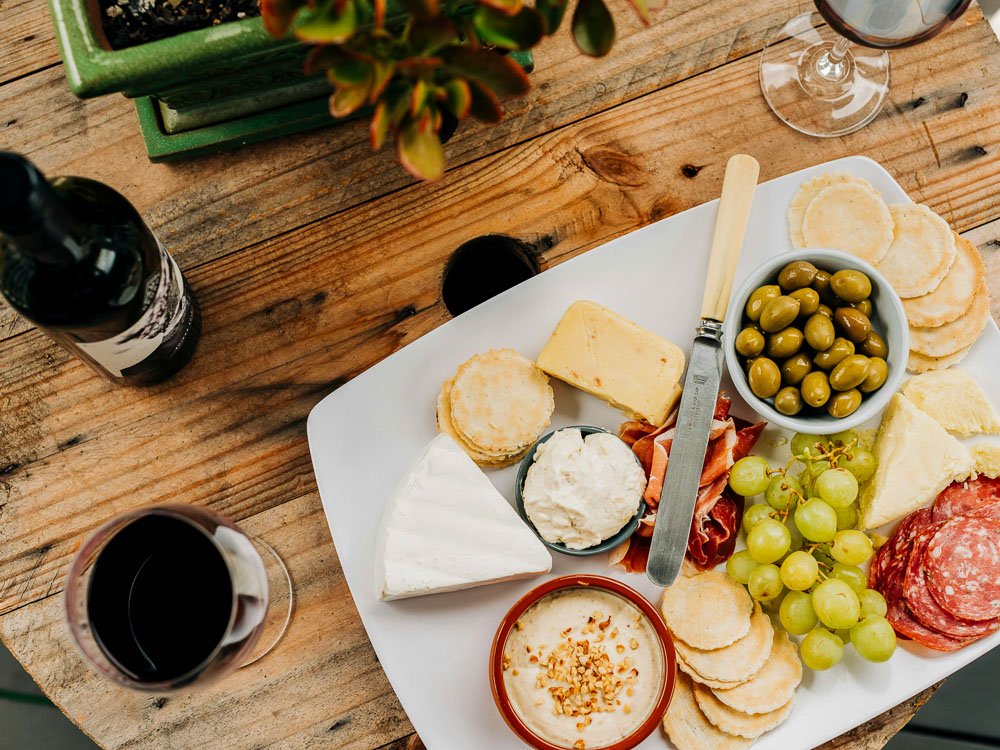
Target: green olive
[(851, 285), (779, 313), (808, 301), (815, 388), (795, 368), (764, 377), (844, 403), (852, 324), (850, 372), (797, 275), (821, 283), (819, 332), (874, 346), (877, 373), (830, 358), (750, 342), (784, 343), (759, 298), (865, 307), (825, 310), (788, 400)]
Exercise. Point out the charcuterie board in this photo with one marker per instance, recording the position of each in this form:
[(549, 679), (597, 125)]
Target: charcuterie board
[(365, 435)]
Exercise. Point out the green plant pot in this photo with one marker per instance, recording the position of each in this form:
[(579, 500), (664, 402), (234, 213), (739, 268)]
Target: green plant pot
[(200, 91)]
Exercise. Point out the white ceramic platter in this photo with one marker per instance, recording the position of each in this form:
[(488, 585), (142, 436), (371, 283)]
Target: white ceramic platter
[(367, 433)]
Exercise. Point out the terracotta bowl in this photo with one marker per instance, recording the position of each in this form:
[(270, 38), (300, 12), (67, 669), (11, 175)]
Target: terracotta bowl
[(500, 696)]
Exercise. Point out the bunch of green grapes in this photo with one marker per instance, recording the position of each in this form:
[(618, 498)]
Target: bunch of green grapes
[(803, 550)]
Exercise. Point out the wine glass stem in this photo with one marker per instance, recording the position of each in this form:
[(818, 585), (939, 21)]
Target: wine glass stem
[(832, 65)]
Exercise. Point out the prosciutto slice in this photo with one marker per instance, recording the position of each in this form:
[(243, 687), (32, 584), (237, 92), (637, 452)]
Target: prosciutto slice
[(718, 510)]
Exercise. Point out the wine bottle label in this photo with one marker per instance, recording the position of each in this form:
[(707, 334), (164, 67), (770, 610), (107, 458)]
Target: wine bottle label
[(167, 309)]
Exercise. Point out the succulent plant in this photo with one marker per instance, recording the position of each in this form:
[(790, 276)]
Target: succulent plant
[(422, 65)]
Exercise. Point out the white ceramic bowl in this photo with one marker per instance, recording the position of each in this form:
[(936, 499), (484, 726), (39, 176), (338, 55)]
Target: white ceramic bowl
[(889, 320)]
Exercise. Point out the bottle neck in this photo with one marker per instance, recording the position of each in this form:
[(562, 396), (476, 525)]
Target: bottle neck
[(34, 220)]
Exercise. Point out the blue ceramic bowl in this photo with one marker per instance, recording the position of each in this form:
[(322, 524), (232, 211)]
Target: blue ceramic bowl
[(604, 546)]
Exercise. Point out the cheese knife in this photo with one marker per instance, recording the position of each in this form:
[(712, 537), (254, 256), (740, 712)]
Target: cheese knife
[(701, 384)]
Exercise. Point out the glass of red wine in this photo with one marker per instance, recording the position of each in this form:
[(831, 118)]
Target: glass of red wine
[(172, 597), (821, 84)]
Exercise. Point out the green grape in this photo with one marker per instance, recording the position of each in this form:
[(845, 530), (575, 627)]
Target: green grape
[(815, 471), (768, 540), (851, 547), (852, 575), (844, 635), (755, 514), (799, 571), (796, 613), (740, 565), (872, 603), (801, 444), (838, 487), (816, 520), (749, 476), (845, 437), (795, 534), (836, 604), (781, 491), (765, 583), (821, 649), (847, 518), (861, 464), (874, 639)]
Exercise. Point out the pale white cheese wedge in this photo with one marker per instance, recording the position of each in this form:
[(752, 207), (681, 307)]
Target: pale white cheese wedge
[(445, 527), (955, 400), (917, 459)]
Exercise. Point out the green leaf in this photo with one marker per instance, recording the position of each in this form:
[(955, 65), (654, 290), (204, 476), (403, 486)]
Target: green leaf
[(430, 35), (350, 71), (326, 26), (347, 100), (485, 104), (642, 8), (552, 12), (419, 148), (510, 7), (382, 71), (378, 129), (279, 14), (322, 57), (593, 28), (457, 97), (491, 68), (521, 31), (420, 8), (418, 97)]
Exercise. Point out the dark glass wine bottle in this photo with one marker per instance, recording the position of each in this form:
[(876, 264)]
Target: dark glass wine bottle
[(78, 262)]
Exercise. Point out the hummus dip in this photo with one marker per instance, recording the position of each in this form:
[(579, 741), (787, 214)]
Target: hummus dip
[(613, 643)]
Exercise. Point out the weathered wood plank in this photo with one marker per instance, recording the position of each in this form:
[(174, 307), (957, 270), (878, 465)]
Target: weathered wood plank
[(28, 42), (290, 318)]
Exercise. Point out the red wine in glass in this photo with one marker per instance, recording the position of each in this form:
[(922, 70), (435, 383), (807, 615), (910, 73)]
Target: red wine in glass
[(887, 24)]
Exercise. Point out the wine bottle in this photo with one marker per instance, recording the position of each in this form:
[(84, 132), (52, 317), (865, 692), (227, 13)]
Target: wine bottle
[(78, 262)]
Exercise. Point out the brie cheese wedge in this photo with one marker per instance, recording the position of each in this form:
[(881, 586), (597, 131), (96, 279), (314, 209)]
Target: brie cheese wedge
[(917, 459), (446, 527)]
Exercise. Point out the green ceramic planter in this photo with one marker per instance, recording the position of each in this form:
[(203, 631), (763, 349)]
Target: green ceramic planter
[(200, 91)]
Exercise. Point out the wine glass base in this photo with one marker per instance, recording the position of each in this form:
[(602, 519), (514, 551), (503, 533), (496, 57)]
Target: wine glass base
[(280, 601), (845, 99)]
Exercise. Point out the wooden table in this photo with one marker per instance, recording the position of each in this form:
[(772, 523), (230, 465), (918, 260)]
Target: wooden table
[(314, 258)]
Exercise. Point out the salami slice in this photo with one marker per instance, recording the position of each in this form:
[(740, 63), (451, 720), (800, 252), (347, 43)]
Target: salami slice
[(924, 607), (963, 567), (895, 552), (961, 498)]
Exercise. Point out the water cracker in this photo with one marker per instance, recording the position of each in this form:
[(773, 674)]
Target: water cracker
[(953, 295), (849, 217), (738, 661), (707, 611), (921, 253)]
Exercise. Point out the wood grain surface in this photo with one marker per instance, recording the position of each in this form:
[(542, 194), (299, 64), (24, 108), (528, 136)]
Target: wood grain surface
[(314, 259)]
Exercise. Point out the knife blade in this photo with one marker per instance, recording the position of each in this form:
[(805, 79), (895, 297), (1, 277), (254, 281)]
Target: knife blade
[(679, 493)]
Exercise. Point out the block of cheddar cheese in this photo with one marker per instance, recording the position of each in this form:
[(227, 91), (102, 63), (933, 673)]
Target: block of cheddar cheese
[(601, 352)]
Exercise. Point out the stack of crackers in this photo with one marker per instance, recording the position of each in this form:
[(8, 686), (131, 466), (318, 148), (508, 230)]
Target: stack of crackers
[(496, 406), (939, 276), (738, 673)]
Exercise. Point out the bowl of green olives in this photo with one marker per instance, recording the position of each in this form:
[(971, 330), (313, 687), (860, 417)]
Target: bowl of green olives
[(816, 341)]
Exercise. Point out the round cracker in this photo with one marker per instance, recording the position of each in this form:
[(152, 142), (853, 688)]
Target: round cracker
[(917, 362), (953, 295), (949, 338), (707, 611), (773, 686), (921, 253), (849, 217), (738, 661), (687, 727), (445, 426), (686, 669), (500, 401), (809, 190), (729, 721)]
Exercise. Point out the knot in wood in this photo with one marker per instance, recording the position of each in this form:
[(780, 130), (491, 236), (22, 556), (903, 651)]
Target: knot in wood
[(614, 167)]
